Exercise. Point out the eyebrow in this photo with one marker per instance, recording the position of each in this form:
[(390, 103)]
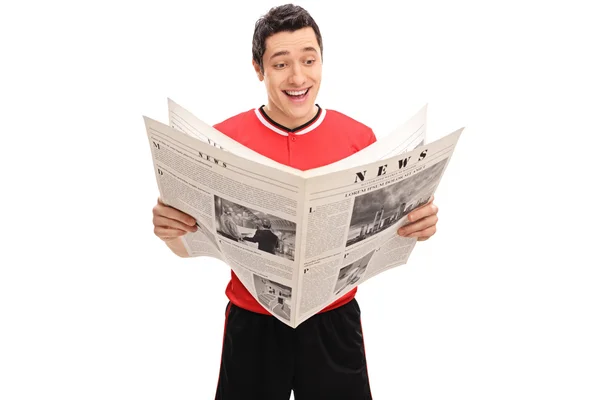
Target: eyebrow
[(285, 52)]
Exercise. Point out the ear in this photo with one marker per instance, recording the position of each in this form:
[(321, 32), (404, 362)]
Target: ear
[(257, 70)]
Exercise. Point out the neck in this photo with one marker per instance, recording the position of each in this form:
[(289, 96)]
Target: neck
[(291, 123)]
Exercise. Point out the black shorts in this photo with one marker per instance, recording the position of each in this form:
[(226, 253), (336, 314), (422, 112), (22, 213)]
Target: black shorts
[(264, 359)]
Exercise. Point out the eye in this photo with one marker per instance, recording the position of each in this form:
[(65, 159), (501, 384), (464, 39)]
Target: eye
[(310, 62), (279, 65)]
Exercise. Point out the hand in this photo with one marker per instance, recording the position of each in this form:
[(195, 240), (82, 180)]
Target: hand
[(170, 223), (422, 222)]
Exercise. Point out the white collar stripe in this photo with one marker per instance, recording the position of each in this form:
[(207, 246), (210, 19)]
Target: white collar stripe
[(269, 125), (313, 125)]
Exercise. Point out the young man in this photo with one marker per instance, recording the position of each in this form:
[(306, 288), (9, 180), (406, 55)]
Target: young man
[(262, 358)]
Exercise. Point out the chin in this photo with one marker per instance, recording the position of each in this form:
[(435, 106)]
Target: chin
[(302, 113), (302, 109)]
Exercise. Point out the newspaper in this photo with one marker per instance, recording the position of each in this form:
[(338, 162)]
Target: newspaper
[(297, 240)]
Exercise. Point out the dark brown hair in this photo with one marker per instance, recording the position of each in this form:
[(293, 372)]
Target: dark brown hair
[(287, 18)]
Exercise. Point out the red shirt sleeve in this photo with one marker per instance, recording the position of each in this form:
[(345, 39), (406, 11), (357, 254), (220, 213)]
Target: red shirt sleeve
[(365, 138)]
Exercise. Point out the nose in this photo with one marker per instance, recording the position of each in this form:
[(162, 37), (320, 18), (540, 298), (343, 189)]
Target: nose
[(297, 77)]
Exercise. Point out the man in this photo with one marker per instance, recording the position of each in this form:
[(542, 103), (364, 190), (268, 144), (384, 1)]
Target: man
[(324, 357), (266, 239), (228, 226)]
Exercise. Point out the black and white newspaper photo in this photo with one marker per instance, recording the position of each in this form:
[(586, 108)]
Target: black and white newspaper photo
[(352, 273), (274, 296), (255, 229)]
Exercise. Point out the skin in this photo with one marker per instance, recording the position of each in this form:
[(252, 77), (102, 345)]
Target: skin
[(292, 61)]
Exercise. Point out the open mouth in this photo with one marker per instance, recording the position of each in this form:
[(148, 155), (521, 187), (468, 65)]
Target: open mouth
[(297, 95)]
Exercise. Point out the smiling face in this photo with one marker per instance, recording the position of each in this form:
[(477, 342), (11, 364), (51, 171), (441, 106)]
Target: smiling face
[(292, 76)]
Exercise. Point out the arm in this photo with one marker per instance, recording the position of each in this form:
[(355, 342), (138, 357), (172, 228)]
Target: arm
[(252, 239)]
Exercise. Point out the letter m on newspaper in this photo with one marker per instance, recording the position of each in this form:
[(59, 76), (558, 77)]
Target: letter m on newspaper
[(297, 240)]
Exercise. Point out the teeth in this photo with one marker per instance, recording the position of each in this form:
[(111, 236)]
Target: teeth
[(296, 93)]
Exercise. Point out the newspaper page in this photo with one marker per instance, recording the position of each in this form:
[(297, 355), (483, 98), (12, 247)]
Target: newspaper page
[(351, 220), (247, 212), (289, 234)]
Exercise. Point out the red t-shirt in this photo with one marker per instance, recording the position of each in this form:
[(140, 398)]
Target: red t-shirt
[(329, 137)]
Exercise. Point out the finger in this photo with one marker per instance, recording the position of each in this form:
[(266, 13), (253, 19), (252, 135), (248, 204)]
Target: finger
[(168, 233), (424, 234), (420, 225), (162, 210), (172, 223), (424, 223), (423, 211)]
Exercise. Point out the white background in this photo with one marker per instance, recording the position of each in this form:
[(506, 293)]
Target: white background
[(503, 302)]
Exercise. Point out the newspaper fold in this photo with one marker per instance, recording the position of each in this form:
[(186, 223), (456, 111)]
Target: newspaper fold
[(297, 240)]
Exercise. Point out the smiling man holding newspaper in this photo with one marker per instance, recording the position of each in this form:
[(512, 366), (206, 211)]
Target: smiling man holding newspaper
[(262, 358)]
